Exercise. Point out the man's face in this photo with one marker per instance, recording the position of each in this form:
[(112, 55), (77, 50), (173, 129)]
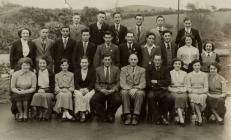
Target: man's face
[(130, 37), (44, 33), (107, 61), (117, 18), (101, 18), (139, 20), (65, 32), (167, 37), (150, 40), (160, 21), (107, 38), (133, 60), (187, 23), (76, 19), (157, 60), (85, 36)]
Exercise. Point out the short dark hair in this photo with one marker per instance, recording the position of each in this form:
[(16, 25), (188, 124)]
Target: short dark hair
[(130, 32), (45, 58), (134, 54), (76, 13), (194, 62), (209, 42), (150, 33), (167, 31), (20, 32), (107, 33), (44, 27), (26, 60), (106, 55), (85, 30), (176, 60), (186, 19), (101, 12), (139, 15), (217, 65), (188, 35), (84, 57), (63, 60), (64, 26), (116, 13), (159, 17)]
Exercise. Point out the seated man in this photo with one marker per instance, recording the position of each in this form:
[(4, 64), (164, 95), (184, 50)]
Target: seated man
[(132, 82), (160, 101), (106, 90)]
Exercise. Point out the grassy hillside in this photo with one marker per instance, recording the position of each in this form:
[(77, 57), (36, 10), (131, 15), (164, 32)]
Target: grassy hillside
[(142, 8)]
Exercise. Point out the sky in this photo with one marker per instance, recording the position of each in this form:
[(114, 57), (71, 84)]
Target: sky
[(108, 4)]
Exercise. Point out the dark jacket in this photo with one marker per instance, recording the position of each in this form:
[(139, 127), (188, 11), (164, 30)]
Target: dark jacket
[(121, 34), (51, 82), (96, 34)]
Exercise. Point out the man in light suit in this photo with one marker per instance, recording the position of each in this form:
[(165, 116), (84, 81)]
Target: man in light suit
[(132, 82), (76, 27), (107, 90), (107, 48), (139, 30), (43, 45)]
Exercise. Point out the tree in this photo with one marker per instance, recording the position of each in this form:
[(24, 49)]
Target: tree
[(191, 6)]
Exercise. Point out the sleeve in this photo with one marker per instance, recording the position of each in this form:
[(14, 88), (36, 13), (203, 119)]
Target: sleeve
[(74, 57), (179, 52), (97, 57), (117, 56), (199, 42), (51, 82), (33, 80), (97, 82), (57, 89), (142, 84), (148, 77), (76, 81), (12, 56), (197, 54), (189, 84), (92, 82), (178, 38), (117, 85), (217, 58), (184, 89), (166, 79), (123, 83), (72, 84), (206, 84), (224, 87), (13, 81)]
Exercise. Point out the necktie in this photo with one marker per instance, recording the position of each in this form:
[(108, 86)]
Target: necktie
[(167, 45), (44, 46), (65, 43), (117, 33), (107, 75), (133, 72), (157, 68), (138, 33), (208, 55), (85, 47)]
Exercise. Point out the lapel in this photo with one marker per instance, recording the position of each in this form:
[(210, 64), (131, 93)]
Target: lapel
[(111, 73), (146, 50), (102, 72), (152, 51), (20, 47)]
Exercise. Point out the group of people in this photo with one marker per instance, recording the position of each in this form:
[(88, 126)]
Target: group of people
[(91, 71)]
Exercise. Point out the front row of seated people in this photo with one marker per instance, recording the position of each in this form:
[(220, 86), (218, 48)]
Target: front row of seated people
[(101, 92)]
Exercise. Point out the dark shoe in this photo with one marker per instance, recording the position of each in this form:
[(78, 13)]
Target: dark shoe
[(83, 117), (164, 121), (128, 120), (158, 122), (135, 120), (111, 119), (182, 124), (220, 122)]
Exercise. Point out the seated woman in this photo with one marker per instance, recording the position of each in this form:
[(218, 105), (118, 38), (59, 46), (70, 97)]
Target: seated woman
[(197, 83), (178, 89), (84, 84), (23, 85), (217, 93), (64, 86), (42, 101)]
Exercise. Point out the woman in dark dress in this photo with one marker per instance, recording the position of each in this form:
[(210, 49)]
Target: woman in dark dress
[(84, 89)]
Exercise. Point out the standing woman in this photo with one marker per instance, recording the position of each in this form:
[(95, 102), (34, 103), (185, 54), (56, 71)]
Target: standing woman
[(178, 89), (187, 53), (43, 98), (64, 86), (84, 89), (197, 83), (23, 85), (22, 48), (217, 93)]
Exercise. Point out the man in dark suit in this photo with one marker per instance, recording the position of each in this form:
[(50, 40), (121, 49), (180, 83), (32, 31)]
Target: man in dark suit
[(168, 49), (43, 45), (160, 101), (128, 48), (83, 48), (191, 31), (107, 48), (97, 30), (118, 31), (63, 48), (107, 90), (132, 82)]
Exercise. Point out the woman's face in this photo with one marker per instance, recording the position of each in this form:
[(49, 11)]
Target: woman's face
[(25, 67), (25, 34), (64, 66), (84, 64), (196, 66), (188, 41), (177, 65), (212, 69), (42, 64), (208, 47)]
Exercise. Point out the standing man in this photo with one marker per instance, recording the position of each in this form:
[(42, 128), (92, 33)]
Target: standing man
[(139, 30), (168, 49), (132, 82), (76, 27), (188, 30), (43, 45), (83, 48), (107, 90), (97, 30), (118, 31), (128, 48), (63, 48), (107, 48)]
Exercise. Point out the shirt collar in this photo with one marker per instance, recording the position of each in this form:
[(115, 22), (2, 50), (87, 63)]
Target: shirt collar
[(206, 53), (187, 29), (24, 41), (45, 71), (153, 46), (196, 72), (65, 38)]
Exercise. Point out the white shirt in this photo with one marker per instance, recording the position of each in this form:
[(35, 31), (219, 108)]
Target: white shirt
[(167, 44), (25, 48), (129, 45), (99, 25), (64, 41), (84, 74), (188, 30), (43, 79), (138, 27), (117, 27), (150, 48)]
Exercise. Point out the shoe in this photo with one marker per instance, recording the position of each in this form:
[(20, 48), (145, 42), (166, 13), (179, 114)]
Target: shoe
[(83, 117), (20, 118), (158, 122), (182, 124), (220, 122), (111, 119), (134, 120), (128, 119), (164, 121)]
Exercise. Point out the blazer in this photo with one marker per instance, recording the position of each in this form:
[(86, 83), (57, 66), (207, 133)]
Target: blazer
[(75, 32), (78, 53), (162, 76), (88, 83), (128, 80), (58, 52), (51, 82), (159, 35), (125, 53), (143, 33), (148, 59), (121, 35), (16, 53), (164, 52), (41, 52), (101, 50), (101, 82), (96, 34), (197, 39)]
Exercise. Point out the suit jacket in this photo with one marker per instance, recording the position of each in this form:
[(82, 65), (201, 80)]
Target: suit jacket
[(101, 50), (125, 53), (148, 59), (96, 34), (78, 53), (162, 76), (58, 52), (121, 34), (164, 52), (101, 82), (88, 83), (159, 35), (143, 33), (129, 80), (197, 39), (51, 82), (41, 52), (16, 53), (75, 32)]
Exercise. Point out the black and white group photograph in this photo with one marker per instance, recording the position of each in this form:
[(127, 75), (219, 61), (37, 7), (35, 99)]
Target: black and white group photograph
[(115, 70)]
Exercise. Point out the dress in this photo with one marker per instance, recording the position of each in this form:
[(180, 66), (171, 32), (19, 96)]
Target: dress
[(207, 59), (179, 84), (197, 83), (64, 80)]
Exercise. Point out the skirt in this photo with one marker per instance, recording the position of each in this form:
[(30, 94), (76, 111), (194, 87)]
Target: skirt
[(44, 100), (63, 101), (21, 97), (198, 99), (82, 103), (181, 100), (218, 104)]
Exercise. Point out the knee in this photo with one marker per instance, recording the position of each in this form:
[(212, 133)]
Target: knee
[(140, 93), (150, 96), (124, 92)]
